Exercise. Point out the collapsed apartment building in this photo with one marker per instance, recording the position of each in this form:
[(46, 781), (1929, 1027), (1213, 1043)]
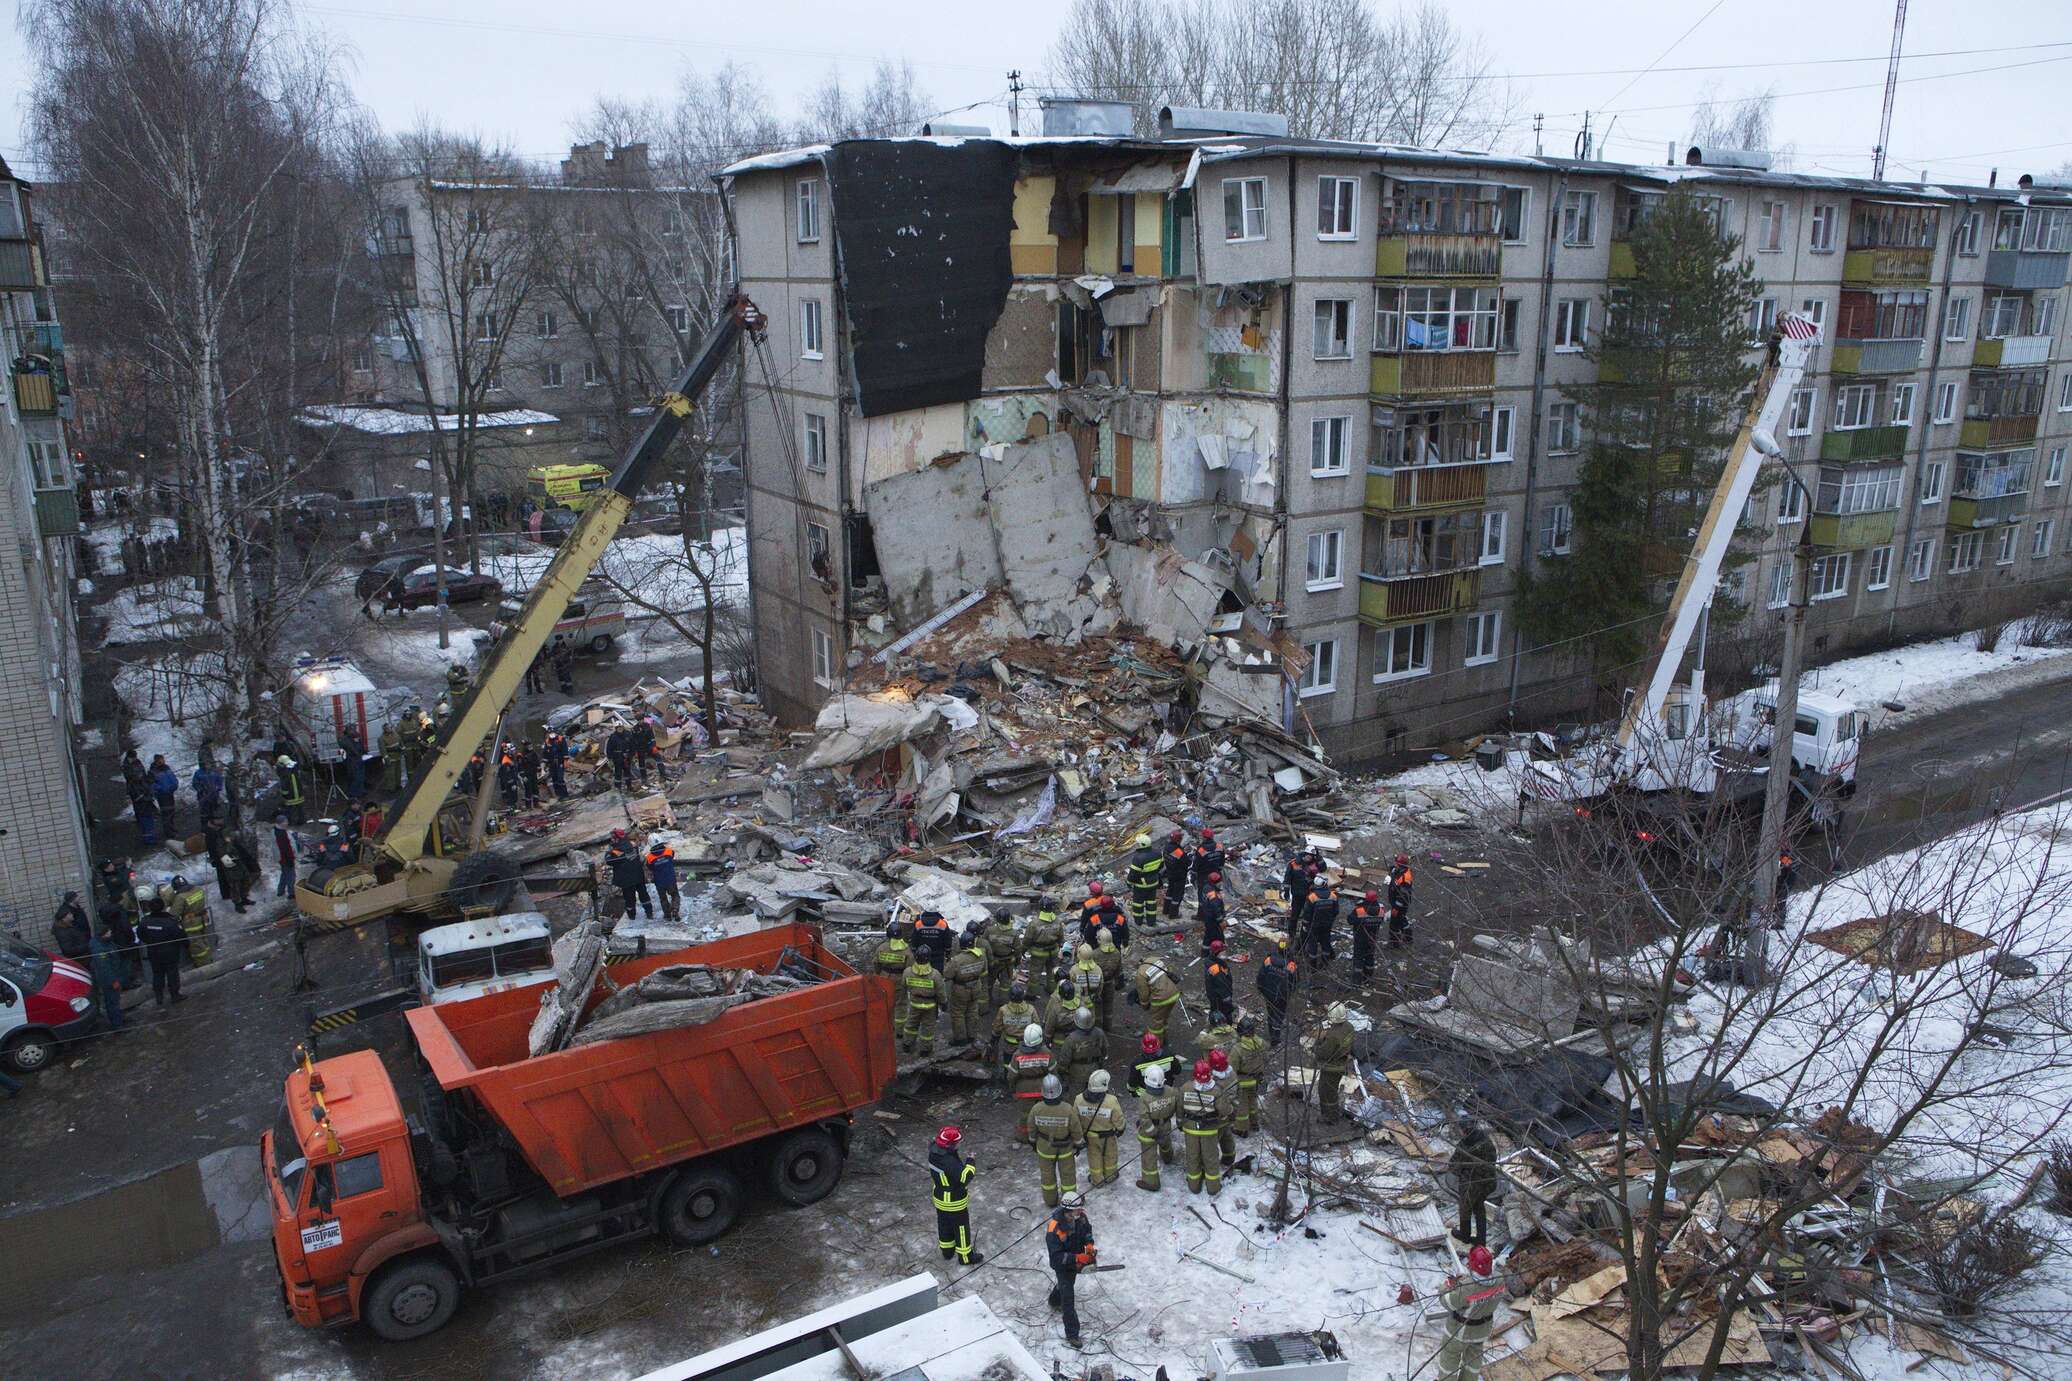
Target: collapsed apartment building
[(1328, 380)]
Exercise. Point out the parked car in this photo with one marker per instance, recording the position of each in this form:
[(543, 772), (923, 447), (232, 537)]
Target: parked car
[(420, 588), (43, 1000), (383, 573)]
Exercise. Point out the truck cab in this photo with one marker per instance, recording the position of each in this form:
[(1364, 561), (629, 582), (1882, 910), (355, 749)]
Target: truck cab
[(469, 958)]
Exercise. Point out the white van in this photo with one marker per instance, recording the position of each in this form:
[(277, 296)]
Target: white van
[(1826, 742), (470, 958)]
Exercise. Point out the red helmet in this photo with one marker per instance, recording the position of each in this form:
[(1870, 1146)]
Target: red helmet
[(1373, 895), (1215, 946), (1149, 1045), (1094, 889), (618, 834), (1402, 860), (1215, 877), (1480, 1261), (948, 1136), (1207, 837), (1218, 1062), (1177, 835), (1202, 1072)]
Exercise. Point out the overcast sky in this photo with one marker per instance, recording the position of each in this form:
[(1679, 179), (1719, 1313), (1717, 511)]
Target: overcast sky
[(519, 71)]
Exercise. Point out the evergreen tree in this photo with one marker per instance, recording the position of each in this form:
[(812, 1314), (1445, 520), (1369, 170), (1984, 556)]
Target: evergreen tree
[(1675, 374)]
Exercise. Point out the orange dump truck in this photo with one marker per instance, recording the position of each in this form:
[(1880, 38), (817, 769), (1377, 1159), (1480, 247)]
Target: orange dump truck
[(521, 1161)]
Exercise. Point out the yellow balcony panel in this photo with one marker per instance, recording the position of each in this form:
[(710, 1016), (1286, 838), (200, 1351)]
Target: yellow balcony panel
[(1438, 256), (1412, 599), (1877, 356), (1854, 531), (36, 395), (1864, 443), (1426, 373), (1427, 488), (1909, 265), (1622, 260), (2009, 352), (1967, 513), (1997, 431)]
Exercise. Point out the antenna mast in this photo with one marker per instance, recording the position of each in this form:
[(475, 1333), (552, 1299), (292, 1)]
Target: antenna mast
[(1899, 29)]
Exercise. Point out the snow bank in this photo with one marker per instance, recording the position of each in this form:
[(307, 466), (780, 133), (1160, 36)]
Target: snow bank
[(169, 608), (653, 566), (1928, 678)]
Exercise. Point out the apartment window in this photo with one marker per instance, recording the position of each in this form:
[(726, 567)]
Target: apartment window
[(1762, 319), (493, 378), (1877, 568), (632, 291), (1320, 677), (1856, 407), (1435, 319), (1800, 420), (1333, 337), (1324, 571), (2065, 392), (2054, 468), (816, 443), (1967, 234), (1791, 501), (550, 374), (1482, 632), (1769, 233), (1903, 404), (593, 429), (1507, 338), (1329, 453), (1932, 482), (823, 657), (1571, 323), (1557, 529), (679, 319), (1921, 559), (1821, 229), (591, 378), (1564, 433), (1492, 553), (1244, 208), (363, 361), (2040, 546), (1579, 218), (485, 326), (1946, 401), (809, 328), (1338, 208), (546, 325), (478, 220), (817, 548), (1814, 309), (808, 209), (1404, 651), (1831, 576), (478, 273), (2003, 554), (1501, 422), (1957, 318), (1780, 584), (1965, 551), (2043, 316), (2002, 316), (1513, 206)]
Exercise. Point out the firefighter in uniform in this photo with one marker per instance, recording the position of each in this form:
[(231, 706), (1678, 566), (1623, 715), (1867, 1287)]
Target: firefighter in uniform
[(1012, 1017), (1109, 958), (1152, 1054), (1146, 871), (1157, 1107), (191, 906), (1027, 1068), (1084, 1049), (891, 959), (1209, 911), (1046, 934), (1367, 919), (1059, 1133), (1276, 986), (965, 976), (1199, 1123), (1401, 880), (1249, 1060), (1224, 1080), (1087, 976), (953, 1175), (1208, 864), (1177, 866), (1158, 994), (1333, 1051), (1057, 1013), (1218, 985), (1101, 1112), (1003, 951), (1470, 1302), (924, 994)]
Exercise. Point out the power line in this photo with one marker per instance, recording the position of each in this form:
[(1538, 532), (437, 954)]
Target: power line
[(1664, 53)]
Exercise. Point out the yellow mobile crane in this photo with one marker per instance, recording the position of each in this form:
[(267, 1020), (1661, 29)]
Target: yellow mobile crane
[(424, 860)]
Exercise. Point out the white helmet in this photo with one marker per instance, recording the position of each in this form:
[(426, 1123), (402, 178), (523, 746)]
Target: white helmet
[(1097, 1082), (1154, 1078), (147, 892), (1032, 1035), (1336, 1014), (1053, 1086), (285, 761)]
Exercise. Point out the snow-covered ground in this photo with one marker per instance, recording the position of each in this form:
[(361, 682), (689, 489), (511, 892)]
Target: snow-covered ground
[(654, 566), (106, 537), (169, 608)]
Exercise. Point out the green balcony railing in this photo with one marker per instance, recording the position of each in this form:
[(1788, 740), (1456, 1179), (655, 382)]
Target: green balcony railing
[(57, 513), (2008, 352), (1853, 531), (1864, 443), (1910, 265), (1413, 598), (1623, 265), (1966, 513), (1877, 356), (21, 266)]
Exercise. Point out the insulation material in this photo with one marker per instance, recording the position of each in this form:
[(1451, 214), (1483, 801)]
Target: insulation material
[(1225, 449), (1017, 417), (923, 236), (1131, 307), (906, 441), (1023, 344)]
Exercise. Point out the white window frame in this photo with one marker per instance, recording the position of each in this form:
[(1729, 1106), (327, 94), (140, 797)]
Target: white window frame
[(2065, 391), (1820, 228), (1815, 310), (1966, 236), (1903, 395), (1334, 456), (1933, 475), (1762, 320), (679, 319), (1320, 677), (806, 211), (2039, 545), (1482, 635), (1557, 529), (1945, 402), (1246, 211), (2054, 467), (820, 542), (1571, 325), (1830, 576), (1780, 584), (2008, 545), (485, 327), (547, 326), (1385, 668), (823, 657), (816, 442), (1855, 409), (1579, 218), (1770, 227), (1571, 435), (1967, 552), (1798, 421), (1515, 234), (1877, 568), (1791, 502), (591, 378), (1341, 195), (1920, 560), (1338, 311), (479, 273), (811, 344), (550, 374), (1494, 521), (1503, 432), (1324, 561), (1957, 318)]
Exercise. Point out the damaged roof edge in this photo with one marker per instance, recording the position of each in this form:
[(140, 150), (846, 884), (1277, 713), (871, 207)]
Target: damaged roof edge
[(818, 153)]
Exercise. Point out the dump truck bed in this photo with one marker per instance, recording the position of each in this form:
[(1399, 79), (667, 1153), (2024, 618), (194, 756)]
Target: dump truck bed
[(598, 1113)]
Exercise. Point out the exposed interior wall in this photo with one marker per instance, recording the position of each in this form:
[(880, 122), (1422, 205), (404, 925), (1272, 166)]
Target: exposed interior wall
[(1032, 248), (1022, 347), (902, 442)]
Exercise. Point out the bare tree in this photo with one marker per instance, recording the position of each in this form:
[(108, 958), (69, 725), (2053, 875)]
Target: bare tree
[(1743, 123), (889, 103)]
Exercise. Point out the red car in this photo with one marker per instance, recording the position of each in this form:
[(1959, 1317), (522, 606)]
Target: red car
[(420, 588), (43, 1000)]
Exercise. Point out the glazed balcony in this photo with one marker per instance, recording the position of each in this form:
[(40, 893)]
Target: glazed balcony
[(1864, 443), (2005, 352), (1432, 373), (57, 512), (1890, 266), (1426, 488), (2025, 268), (1877, 356), (1388, 600)]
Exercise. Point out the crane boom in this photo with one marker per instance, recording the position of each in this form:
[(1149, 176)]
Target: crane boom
[(1798, 335), (405, 837)]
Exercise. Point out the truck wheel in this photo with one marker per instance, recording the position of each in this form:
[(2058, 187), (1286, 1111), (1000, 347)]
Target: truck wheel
[(698, 1206), (31, 1051), (411, 1299), (484, 879), (601, 644), (805, 1167)]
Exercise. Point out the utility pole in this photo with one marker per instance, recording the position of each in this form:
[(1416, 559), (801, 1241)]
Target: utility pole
[(439, 505), (1777, 789), (1014, 109), (1899, 32), (1537, 120)]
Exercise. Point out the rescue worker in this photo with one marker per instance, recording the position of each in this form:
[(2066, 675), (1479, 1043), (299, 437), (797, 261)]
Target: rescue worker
[(1322, 921), (1787, 874), (1110, 960), (1069, 1243), (471, 774), (71, 928), (289, 774), (164, 945), (924, 994), (1210, 912), (1368, 915), (1199, 1123), (953, 1176), (1012, 1017), (564, 658), (286, 850), (1218, 985), (529, 773), (1208, 863), (507, 781), (233, 881), (391, 744), (1157, 1107), (1401, 880), (1026, 1070), (618, 751), (1295, 886), (890, 960), (1083, 1050), (1046, 935), (932, 937), (1225, 1081), (456, 680), (1276, 986), (1145, 870), (190, 905), (1057, 1013), (965, 976), (1158, 994), (1473, 1166), (442, 715), (333, 852), (1152, 1054), (1178, 866), (624, 867), (1087, 976), (1099, 909), (641, 748), (1101, 1112), (661, 867), (1059, 1134), (1221, 1036), (1249, 1060), (1003, 951), (165, 789), (1332, 1052), (354, 747), (555, 754), (1470, 1302)]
